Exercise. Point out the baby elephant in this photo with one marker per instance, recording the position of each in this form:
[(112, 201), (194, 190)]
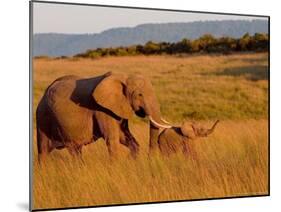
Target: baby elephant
[(177, 139)]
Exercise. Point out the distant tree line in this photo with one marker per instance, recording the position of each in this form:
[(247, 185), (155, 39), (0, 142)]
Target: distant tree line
[(205, 44)]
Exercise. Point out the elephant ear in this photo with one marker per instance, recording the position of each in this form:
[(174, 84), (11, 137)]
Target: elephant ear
[(187, 129), (110, 94)]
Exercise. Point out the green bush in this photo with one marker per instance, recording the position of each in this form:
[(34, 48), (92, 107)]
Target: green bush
[(205, 44)]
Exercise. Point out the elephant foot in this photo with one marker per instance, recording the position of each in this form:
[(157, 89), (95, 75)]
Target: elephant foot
[(128, 140)]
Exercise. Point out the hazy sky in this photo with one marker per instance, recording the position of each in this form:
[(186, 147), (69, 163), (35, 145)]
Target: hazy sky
[(62, 18)]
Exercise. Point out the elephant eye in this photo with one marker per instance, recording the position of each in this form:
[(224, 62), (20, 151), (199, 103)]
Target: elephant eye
[(140, 94)]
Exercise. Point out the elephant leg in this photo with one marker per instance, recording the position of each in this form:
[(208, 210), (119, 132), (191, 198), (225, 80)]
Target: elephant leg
[(185, 148), (75, 151), (44, 145), (110, 130), (153, 139), (132, 144), (188, 151), (127, 139)]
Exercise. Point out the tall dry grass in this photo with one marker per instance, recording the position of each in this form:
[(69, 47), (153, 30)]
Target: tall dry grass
[(231, 162)]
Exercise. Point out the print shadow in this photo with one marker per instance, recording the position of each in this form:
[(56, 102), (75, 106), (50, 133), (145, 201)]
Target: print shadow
[(23, 206)]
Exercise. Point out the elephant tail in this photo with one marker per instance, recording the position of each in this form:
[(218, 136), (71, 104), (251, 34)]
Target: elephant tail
[(38, 134)]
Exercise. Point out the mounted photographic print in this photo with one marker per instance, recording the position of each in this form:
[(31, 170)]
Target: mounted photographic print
[(142, 105)]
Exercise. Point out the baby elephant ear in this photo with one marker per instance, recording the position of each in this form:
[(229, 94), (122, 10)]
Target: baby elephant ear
[(110, 94), (187, 130)]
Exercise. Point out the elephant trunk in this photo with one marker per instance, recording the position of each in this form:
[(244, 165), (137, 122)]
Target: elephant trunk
[(155, 124), (153, 138), (209, 131), (152, 109)]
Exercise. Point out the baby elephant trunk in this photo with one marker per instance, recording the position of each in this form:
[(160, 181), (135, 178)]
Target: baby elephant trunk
[(211, 130)]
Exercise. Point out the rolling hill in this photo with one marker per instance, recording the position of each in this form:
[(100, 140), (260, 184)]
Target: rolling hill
[(55, 44)]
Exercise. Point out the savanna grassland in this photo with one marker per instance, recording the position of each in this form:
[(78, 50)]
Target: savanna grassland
[(233, 161)]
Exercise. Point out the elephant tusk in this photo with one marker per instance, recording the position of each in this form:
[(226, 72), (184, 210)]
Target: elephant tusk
[(166, 122), (155, 123)]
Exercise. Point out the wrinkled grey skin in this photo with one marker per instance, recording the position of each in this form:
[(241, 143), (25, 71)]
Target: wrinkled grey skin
[(76, 111), (177, 139)]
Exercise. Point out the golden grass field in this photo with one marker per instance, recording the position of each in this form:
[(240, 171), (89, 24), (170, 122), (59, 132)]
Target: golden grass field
[(233, 161)]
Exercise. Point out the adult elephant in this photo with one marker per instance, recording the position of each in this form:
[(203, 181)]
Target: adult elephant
[(76, 111)]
